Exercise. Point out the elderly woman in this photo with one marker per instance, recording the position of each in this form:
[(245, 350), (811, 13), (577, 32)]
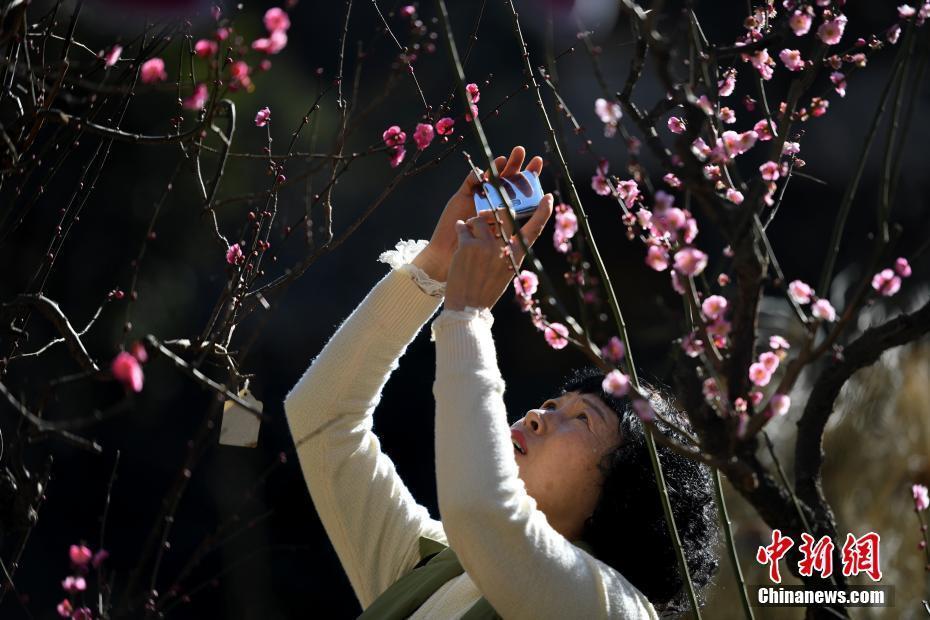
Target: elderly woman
[(556, 516)]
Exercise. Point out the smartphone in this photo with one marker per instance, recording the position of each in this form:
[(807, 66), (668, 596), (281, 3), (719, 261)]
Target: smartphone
[(524, 191)]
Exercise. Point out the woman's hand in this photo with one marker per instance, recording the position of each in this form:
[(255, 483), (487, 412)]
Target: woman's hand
[(436, 257), (480, 270)]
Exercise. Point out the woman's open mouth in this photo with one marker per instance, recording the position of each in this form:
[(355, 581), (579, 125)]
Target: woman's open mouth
[(519, 441)]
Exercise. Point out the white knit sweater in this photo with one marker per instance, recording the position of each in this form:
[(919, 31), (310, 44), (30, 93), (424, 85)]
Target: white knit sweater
[(510, 553)]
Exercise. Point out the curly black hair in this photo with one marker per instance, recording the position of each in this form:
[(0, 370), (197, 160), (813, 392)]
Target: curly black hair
[(628, 529)]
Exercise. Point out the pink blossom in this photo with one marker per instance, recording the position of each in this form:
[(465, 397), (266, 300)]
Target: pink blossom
[(444, 126), (126, 370), (137, 350), (198, 98), (565, 221), (526, 284), (706, 106), (153, 70), (902, 267), (690, 261), (710, 390), (734, 196), (205, 48), (792, 59), (831, 31), (627, 190), (609, 113), (74, 584), (886, 282), (791, 148), (755, 397), (657, 258), (700, 148), (677, 285), (819, 106), (727, 115), (397, 156), (822, 309), (759, 375), (723, 279), (262, 117), (905, 11), (692, 345), (112, 56), (394, 136), (718, 331), (763, 63), (921, 497), (408, 10), (473, 92), (272, 44), (714, 306), (423, 135), (616, 384), (234, 254), (769, 171), (276, 19), (800, 291), (671, 180), (80, 554), (676, 125), (839, 83), (613, 350), (727, 84), (924, 12), (778, 342), (800, 23), (556, 335), (222, 34), (599, 181), (893, 34), (769, 360), (473, 112), (644, 410), (780, 403), (239, 75), (64, 608)]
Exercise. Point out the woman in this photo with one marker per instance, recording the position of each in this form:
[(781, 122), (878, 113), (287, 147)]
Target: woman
[(555, 517)]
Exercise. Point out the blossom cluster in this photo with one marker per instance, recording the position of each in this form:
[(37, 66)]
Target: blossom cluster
[(82, 560), (126, 367)]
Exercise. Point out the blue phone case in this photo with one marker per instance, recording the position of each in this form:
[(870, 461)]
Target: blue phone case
[(524, 192)]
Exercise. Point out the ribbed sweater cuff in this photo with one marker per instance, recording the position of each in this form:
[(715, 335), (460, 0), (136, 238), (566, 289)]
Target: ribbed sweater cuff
[(398, 306), (464, 342)]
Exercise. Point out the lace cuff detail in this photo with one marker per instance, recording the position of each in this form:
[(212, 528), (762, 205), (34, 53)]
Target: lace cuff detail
[(399, 258), (469, 313)]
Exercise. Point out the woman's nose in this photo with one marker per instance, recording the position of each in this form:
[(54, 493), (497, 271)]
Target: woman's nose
[(535, 421)]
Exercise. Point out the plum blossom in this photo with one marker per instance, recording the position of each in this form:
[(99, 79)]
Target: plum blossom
[(613, 350), (79, 555), (823, 309), (831, 31), (671, 180), (423, 135), (902, 267), (657, 257), (394, 136), (778, 342), (676, 125), (886, 282), (64, 608), (239, 75), (137, 350), (800, 23), (473, 92), (727, 115), (921, 497), (692, 345), (726, 86), (800, 292), (205, 48), (628, 191), (769, 171), (526, 284), (198, 98), (905, 11), (690, 261), (126, 370), (616, 384), (609, 113), (893, 34), (759, 374), (769, 360), (763, 63), (276, 19), (408, 10), (734, 196), (153, 70), (262, 117), (791, 148), (780, 403), (792, 59), (444, 126), (397, 156), (710, 390), (74, 584), (110, 58), (556, 335), (234, 254), (839, 82), (718, 331), (714, 307), (566, 224), (644, 410), (272, 44), (599, 181)]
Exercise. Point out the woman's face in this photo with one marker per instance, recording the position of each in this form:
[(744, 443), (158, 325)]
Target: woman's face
[(561, 445)]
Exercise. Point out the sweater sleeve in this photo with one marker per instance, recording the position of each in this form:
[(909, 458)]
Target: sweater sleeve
[(369, 515), (521, 565)]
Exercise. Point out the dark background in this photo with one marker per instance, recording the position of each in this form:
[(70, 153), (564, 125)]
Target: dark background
[(184, 272)]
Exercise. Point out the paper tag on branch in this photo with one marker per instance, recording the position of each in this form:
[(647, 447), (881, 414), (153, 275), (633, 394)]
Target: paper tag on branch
[(240, 426)]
